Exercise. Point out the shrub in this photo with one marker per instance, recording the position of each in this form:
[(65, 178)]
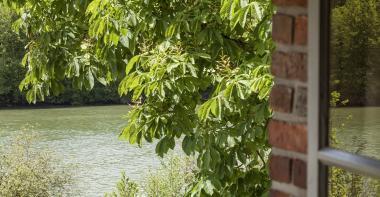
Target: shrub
[(25, 171), (172, 179), (174, 176), (125, 188)]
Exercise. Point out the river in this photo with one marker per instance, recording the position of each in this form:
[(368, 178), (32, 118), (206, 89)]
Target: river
[(86, 137), (358, 130)]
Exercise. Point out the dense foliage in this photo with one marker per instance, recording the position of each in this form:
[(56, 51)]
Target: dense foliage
[(11, 53), (12, 73), (199, 67), (355, 47)]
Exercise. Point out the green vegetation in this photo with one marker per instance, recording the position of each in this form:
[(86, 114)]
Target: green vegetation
[(355, 47), (11, 53), (124, 188), (25, 171), (12, 73), (199, 68), (172, 179), (341, 182)]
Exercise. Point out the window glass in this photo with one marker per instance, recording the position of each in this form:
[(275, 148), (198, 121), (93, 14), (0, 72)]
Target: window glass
[(348, 184), (355, 76)]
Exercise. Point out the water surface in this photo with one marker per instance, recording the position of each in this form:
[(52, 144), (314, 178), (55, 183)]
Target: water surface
[(86, 138), (358, 130)]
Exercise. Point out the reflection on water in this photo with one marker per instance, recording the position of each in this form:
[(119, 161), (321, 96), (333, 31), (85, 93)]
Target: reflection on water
[(85, 137), (358, 130)]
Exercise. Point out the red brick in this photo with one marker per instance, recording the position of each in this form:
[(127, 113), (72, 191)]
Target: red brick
[(280, 168), (281, 98), (302, 3), (288, 136), (300, 32), (275, 193), (299, 173), (290, 65), (282, 28)]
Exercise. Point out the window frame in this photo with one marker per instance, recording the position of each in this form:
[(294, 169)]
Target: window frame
[(320, 155)]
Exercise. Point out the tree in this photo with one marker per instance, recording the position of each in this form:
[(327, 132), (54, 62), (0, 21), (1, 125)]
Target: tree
[(201, 67), (355, 38), (11, 51), (12, 73)]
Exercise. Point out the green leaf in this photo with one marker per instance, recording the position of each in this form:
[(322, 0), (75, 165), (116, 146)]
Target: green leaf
[(89, 80), (204, 110), (31, 96), (124, 40), (216, 107), (92, 7), (71, 35), (188, 145), (102, 81), (131, 64), (203, 55), (114, 38), (206, 159), (137, 92), (100, 27), (164, 145), (215, 156), (24, 60), (170, 31)]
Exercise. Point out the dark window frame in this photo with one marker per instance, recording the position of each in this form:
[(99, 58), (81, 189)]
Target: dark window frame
[(327, 156)]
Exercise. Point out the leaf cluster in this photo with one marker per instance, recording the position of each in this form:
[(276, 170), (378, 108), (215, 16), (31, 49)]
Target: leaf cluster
[(198, 68)]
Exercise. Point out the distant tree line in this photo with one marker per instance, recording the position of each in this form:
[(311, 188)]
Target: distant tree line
[(355, 48), (12, 73)]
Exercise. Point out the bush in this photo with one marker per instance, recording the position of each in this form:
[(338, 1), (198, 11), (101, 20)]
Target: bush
[(174, 176), (25, 171), (172, 179), (125, 188)]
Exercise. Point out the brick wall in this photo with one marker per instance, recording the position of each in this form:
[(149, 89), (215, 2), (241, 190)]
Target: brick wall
[(288, 129)]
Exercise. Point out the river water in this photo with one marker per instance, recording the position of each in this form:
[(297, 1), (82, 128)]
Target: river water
[(358, 130), (86, 137)]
